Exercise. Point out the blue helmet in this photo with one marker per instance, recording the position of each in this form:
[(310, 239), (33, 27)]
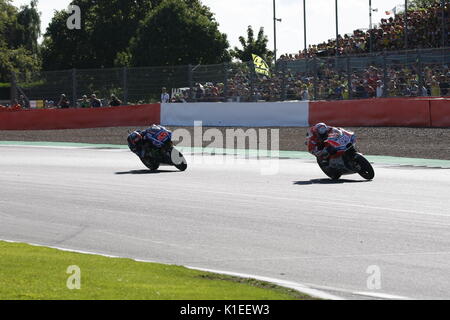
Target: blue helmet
[(134, 138)]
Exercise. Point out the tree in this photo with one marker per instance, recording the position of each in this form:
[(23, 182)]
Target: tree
[(18, 52), (106, 30), (251, 46), (19, 61), (29, 21), (8, 24), (179, 32)]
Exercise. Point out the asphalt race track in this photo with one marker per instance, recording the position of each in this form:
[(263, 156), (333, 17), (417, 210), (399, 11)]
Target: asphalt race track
[(294, 225)]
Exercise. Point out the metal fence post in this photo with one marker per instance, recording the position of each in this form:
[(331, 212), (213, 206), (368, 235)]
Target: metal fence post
[(74, 88), (315, 77), (385, 76), (190, 78), (283, 81), (420, 72), (349, 79), (252, 79), (13, 95), (444, 25), (225, 81), (125, 85)]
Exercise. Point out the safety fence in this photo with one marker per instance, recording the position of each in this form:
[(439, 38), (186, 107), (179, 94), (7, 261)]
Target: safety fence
[(417, 73), (399, 112)]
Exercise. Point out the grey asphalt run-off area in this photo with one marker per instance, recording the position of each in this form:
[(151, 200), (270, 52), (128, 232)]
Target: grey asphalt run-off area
[(278, 218)]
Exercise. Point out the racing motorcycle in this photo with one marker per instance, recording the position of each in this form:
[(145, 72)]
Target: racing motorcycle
[(166, 154), (345, 159)]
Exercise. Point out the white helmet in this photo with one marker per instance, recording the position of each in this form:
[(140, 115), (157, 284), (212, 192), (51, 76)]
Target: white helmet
[(321, 129)]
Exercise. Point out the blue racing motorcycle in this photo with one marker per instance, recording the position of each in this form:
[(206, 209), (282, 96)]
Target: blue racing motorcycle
[(156, 148)]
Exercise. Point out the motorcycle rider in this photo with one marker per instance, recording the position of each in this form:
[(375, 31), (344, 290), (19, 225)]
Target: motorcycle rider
[(151, 138), (316, 137)]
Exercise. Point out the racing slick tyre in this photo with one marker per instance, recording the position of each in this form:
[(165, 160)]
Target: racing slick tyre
[(331, 173), (366, 170), (153, 165), (181, 163)]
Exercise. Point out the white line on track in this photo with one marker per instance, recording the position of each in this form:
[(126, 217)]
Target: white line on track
[(312, 290)]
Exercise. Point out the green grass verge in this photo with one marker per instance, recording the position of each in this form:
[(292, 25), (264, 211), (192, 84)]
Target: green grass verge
[(38, 273)]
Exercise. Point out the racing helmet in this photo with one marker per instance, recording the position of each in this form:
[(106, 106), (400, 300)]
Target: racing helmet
[(320, 130), (134, 138)]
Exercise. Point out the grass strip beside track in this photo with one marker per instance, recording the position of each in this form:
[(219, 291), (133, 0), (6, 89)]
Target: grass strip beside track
[(246, 152), (29, 272)]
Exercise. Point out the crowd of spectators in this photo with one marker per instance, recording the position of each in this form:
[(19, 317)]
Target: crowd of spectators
[(16, 105), (424, 30), (327, 83), (85, 102), (328, 80)]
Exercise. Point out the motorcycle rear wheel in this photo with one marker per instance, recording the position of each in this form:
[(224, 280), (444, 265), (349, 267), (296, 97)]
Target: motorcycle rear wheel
[(331, 173), (153, 165)]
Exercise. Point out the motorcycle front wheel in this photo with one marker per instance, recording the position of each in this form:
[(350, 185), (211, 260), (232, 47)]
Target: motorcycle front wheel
[(180, 163), (366, 171)]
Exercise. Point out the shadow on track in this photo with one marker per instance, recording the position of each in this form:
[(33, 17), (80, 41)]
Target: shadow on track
[(327, 181), (146, 172)]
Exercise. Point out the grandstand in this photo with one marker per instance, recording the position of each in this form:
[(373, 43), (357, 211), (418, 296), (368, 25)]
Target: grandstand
[(426, 28)]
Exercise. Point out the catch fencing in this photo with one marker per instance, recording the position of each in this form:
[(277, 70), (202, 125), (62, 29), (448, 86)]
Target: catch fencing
[(414, 73)]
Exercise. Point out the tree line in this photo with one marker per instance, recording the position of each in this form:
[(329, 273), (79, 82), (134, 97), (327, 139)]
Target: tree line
[(119, 33)]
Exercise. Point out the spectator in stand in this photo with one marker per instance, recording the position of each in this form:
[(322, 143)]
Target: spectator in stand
[(95, 102), (360, 90), (84, 102), (115, 102), (50, 104), (304, 93), (165, 97), (15, 106), (444, 85), (63, 102), (434, 88), (424, 91), (405, 91), (178, 98), (414, 89), (379, 89), (199, 92)]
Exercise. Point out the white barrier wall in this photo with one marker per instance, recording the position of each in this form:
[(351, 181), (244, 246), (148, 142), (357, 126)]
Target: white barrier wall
[(232, 114)]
